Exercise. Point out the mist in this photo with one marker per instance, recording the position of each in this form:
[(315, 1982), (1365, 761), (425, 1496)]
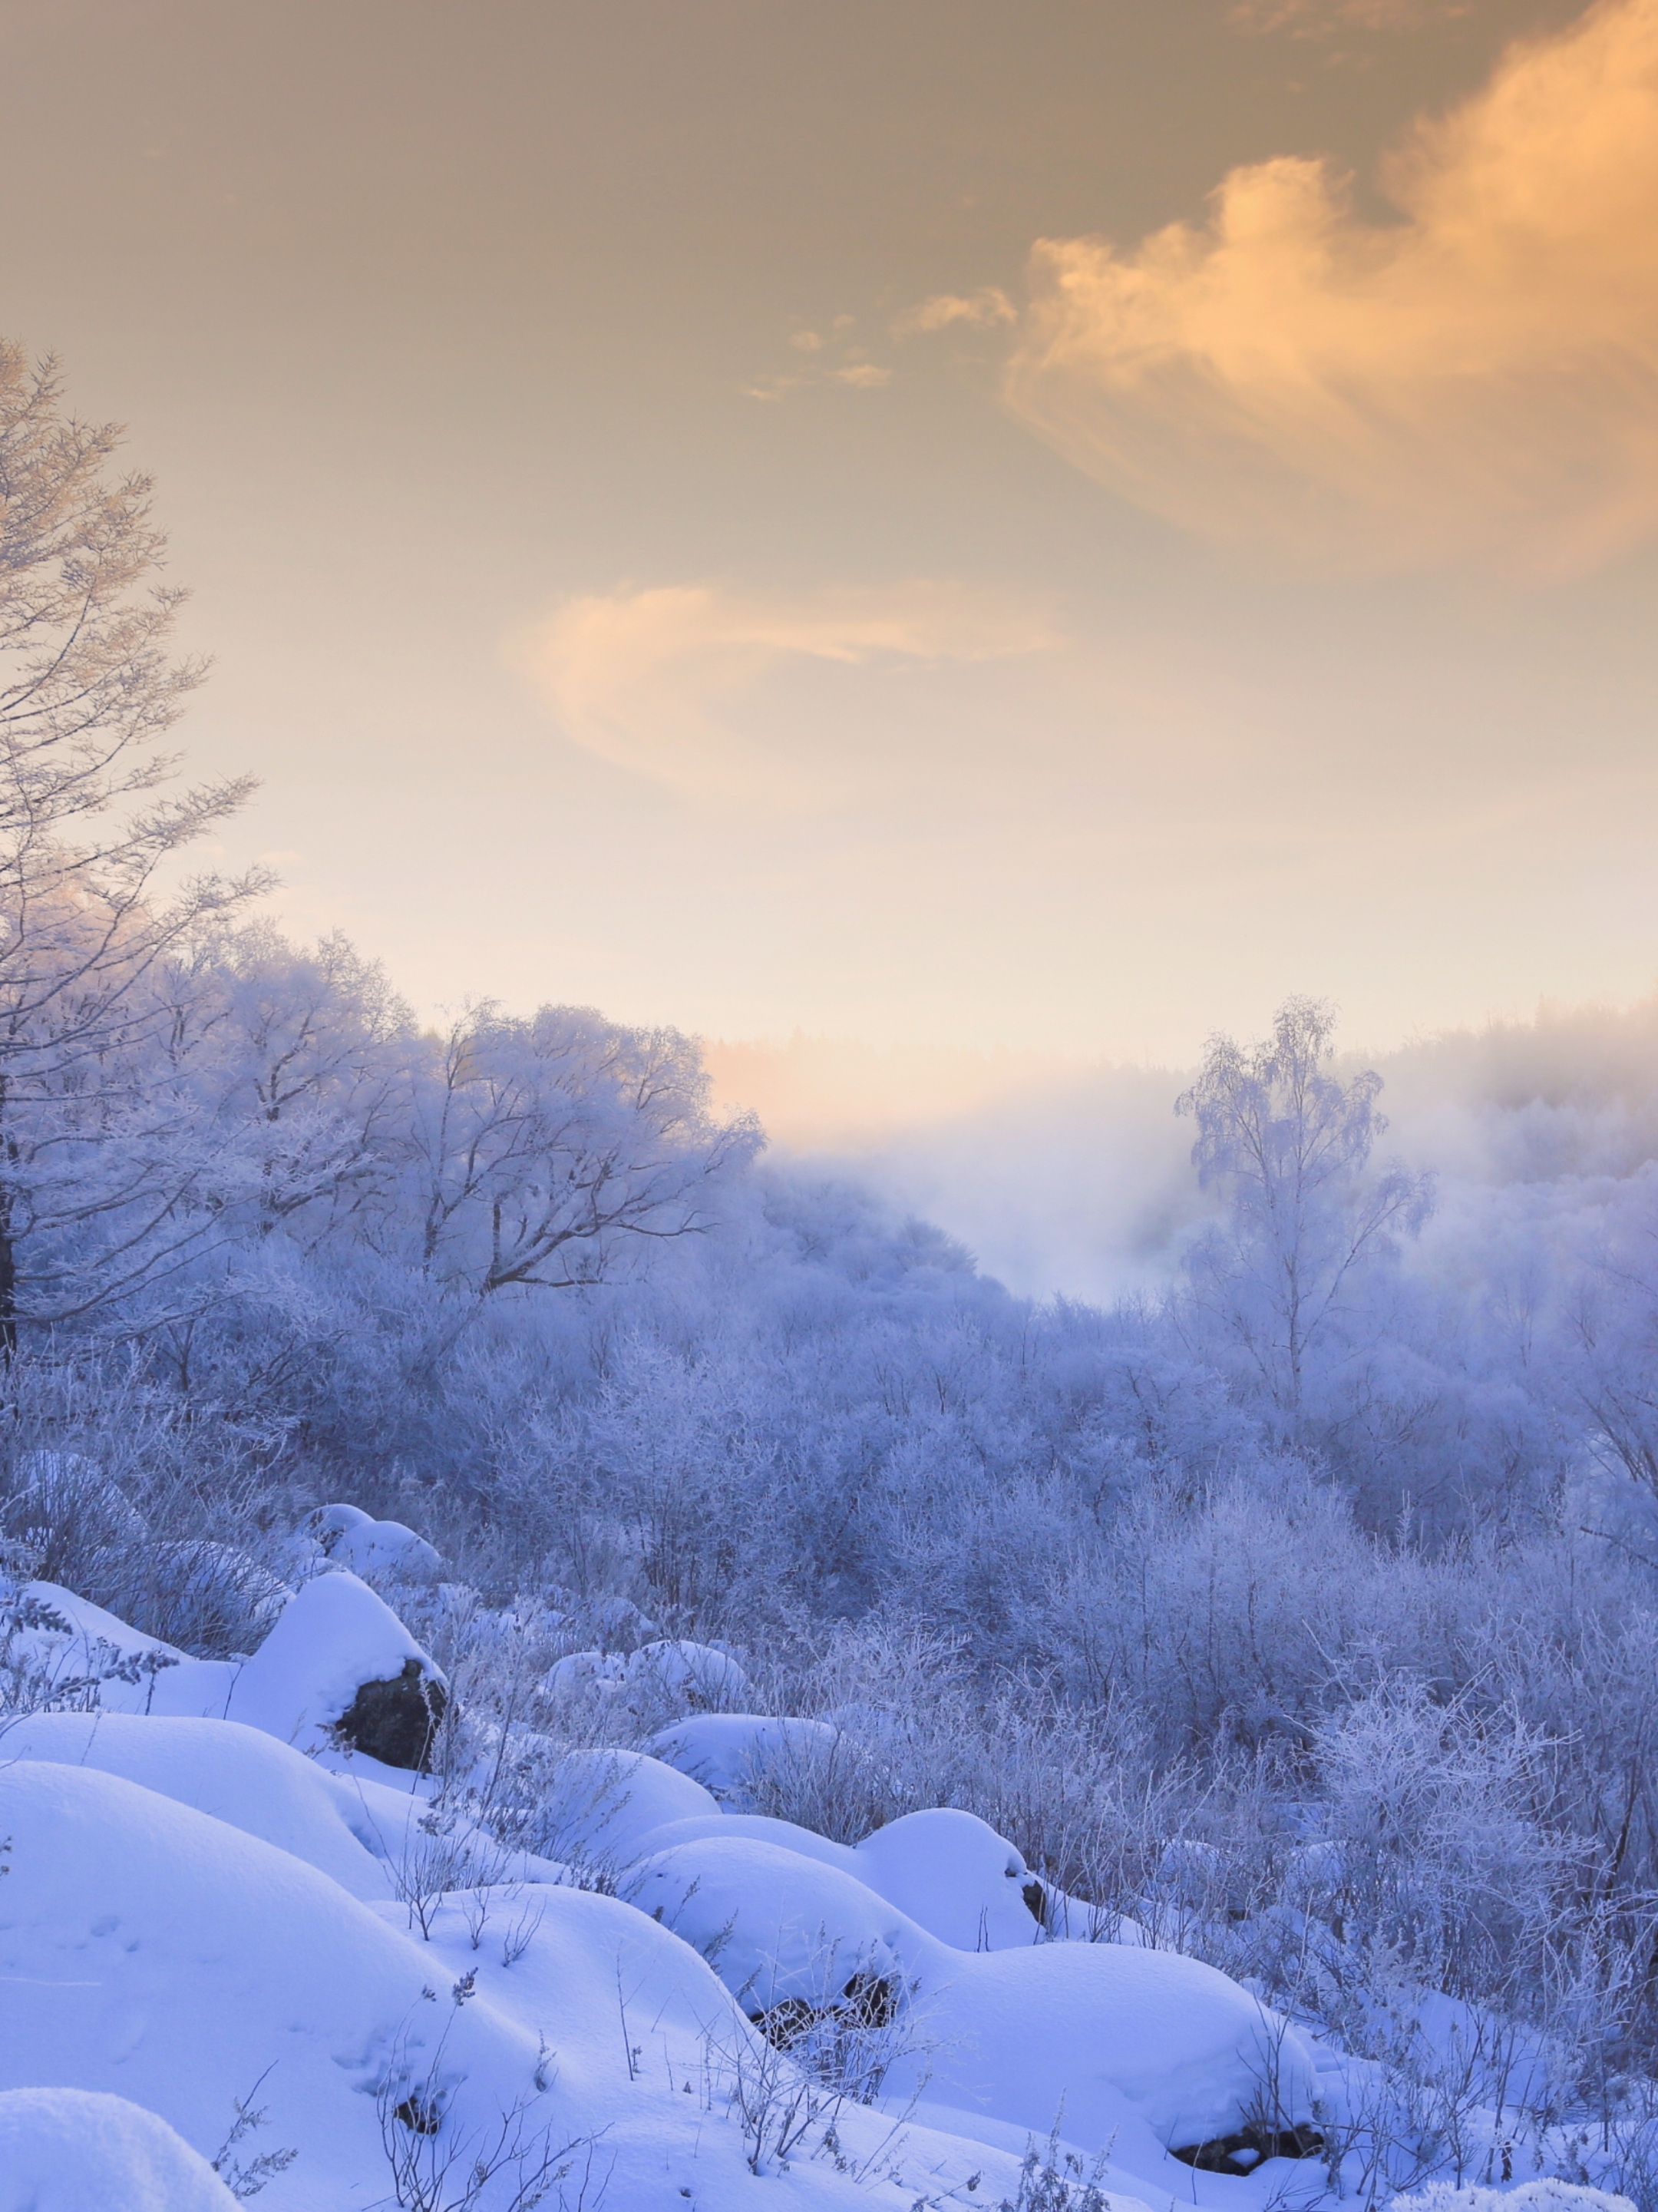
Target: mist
[(1073, 1178)]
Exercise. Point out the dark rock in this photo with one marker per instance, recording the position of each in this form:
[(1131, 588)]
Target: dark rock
[(1036, 1898), (785, 2023), (419, 2115), (1250, 2147), (395, 1720), (867, 2001)]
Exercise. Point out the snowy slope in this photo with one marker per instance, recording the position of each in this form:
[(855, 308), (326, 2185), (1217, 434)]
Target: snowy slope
[(197, 1919)]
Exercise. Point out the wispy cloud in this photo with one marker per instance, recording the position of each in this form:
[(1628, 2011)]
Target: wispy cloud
[(833, 354), (1323, 18), (681, 682), (1481, 374), (981, 310)]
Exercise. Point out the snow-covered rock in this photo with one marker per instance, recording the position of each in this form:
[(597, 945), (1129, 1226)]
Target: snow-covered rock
[(337, 1671), (356, 1539), (339, 1665), (775, 1926), (723, 1750), (955, 1876), (79, 2150), (1115, 2034)]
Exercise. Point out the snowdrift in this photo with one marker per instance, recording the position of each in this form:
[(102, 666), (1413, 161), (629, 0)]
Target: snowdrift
[(200, 1920)]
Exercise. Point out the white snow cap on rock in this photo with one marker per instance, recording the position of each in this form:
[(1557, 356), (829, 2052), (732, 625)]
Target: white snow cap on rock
[(951, 1872), (356, 1539), (76, 2150), (333, 1638)]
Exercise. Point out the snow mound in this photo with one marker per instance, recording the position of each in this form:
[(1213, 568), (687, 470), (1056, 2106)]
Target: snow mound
[(725, 1751), (356, 1539), (151, 1953), (695, 1672), (693, 1675), (1528, 2196), (953, 1874), (74, 2150), (235, 1773), (601, 1806), (77, 1639), (775, 1926), (760, 1828), (1155, 2050), (154, 1952), (949, 1871)]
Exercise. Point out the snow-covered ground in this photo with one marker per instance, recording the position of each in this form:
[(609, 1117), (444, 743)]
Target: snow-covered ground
[(241, 1956)]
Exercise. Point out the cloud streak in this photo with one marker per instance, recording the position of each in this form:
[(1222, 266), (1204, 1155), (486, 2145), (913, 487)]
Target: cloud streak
[(1305, 19), (1480, 376), (699, 687)]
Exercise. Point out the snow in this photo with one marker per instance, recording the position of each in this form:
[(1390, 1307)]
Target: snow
[(76, 2150), (195, 1908), (723, 1750), (233, 1772), (87, 1634), (804, 1843), (356, 1539), (953, 1875), (672, 1671), (603, 1804), (1528, 2196), (1127, 2041), (154, 1952)]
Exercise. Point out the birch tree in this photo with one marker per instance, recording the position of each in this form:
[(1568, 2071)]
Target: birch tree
[(1290, 1144)]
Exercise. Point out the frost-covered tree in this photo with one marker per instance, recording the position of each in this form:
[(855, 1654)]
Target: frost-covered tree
[(1289, 1143), (98, 1163), (305, 1059), (541, 1149)]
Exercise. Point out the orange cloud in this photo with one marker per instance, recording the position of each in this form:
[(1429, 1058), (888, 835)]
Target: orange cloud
[(679, 683), (978, 310), (1481, 374)]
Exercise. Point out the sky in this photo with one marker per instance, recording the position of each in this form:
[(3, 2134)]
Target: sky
[(968, 527)]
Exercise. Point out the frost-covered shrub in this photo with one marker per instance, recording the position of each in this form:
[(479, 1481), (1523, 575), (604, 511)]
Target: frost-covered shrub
[(80, 1527)]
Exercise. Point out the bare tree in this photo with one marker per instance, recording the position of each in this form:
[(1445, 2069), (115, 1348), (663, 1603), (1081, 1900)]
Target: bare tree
[(95, 1168), (543, 1146), (1290, 1143)]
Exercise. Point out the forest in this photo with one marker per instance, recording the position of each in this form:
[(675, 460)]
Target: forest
[(1303, 1608)]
